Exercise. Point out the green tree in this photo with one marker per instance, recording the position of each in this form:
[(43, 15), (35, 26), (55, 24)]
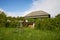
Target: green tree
[(57, 16), (2, 19)]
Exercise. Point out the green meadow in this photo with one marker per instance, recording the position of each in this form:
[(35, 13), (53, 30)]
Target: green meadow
[(46, 29), (28, 34)]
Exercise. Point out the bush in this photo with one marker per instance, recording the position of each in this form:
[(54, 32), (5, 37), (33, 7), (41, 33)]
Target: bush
[(48, 24), (2, 19), (37, 24)]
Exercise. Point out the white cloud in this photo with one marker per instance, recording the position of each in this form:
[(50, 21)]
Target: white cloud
[(14, 14), (1, 9), (50, 6)]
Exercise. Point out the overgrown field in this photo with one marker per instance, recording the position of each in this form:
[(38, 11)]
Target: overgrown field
[(28, 34)]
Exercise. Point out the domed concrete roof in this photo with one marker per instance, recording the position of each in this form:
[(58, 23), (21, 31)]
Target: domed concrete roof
[(37, 13)]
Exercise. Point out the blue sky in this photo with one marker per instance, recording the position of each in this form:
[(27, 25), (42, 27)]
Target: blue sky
[(23, 7), (15, 5)]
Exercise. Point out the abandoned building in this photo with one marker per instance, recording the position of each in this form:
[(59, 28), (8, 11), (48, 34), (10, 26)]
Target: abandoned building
[(34, 15), (38, 14)]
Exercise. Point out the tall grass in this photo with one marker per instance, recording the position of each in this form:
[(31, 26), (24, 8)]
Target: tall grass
[(27, 34)]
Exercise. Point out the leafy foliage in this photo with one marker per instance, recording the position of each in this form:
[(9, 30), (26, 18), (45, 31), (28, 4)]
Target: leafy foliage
[(2, 19), (51, 27), (43, 24), (49, 23)]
